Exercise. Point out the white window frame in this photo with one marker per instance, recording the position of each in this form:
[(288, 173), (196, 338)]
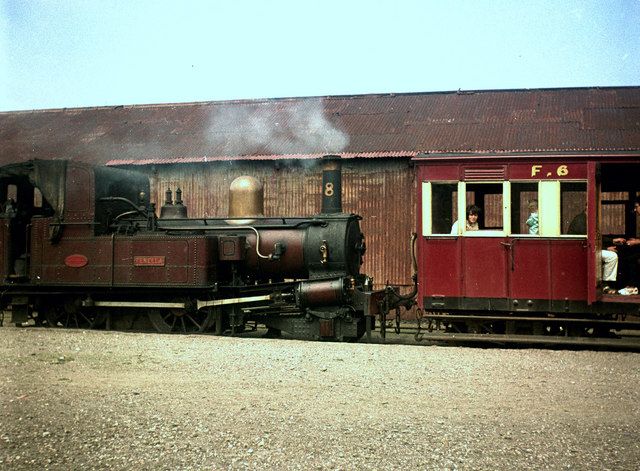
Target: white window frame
[(462, 210), (572, 236), (549, 210), (510, 206), (426, 209), (427, 200)]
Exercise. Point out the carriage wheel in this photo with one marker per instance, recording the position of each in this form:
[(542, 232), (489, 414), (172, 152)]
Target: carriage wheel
[(181, 321)]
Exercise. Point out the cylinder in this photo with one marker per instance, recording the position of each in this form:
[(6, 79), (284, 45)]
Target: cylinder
[(246, 198), (320, 293), (331, 184)]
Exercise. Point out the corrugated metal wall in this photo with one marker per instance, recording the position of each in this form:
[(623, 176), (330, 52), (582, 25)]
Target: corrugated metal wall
[(382, 191)]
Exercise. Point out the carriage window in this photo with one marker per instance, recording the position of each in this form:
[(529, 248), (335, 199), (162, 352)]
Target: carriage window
[(573, 203), (487, 197), (524, 208), (444, 207)]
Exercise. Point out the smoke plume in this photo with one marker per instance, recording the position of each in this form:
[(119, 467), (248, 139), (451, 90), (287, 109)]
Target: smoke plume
[(275, 128)]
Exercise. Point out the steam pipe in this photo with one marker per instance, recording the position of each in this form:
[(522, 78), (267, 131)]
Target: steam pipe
[(137, 209), (271, 256)]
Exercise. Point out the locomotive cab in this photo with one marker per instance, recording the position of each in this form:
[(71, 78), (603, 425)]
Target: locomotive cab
[(21, 199), (54, 195)]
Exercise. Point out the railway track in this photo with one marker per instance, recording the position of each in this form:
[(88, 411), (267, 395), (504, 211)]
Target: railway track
[(625, 340), (512, 331), (616, 335), (411, 333)]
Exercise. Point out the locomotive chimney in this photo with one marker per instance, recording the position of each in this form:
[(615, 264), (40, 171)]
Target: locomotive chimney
[(246, 198), (331, 184)]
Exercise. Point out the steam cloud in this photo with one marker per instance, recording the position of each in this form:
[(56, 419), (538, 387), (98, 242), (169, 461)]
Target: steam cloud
[(275, 128)]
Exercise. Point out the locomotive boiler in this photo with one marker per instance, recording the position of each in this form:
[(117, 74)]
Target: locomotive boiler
[(83, 246)]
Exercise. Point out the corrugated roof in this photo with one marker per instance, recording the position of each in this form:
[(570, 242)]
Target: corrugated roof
[(220, 158), (578, 119)]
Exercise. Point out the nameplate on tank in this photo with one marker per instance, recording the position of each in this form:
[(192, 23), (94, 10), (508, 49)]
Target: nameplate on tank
[(149, 260), (76, 260)]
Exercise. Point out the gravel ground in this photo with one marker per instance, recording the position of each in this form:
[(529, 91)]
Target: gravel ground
[(98, 400)]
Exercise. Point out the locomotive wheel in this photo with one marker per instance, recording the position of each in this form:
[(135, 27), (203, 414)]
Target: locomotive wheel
[(180, 321), (61, 317)]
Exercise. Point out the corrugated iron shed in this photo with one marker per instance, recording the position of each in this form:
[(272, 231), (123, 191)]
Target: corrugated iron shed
[(579, 119)]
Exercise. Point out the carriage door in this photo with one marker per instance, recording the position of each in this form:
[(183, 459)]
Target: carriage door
[(483, 252), (528, 251)]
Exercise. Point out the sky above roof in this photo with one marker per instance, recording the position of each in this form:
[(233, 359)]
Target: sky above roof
[(73, 53)]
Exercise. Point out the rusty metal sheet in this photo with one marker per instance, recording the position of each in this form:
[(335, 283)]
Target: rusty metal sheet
[(579, 119), (383, 193)]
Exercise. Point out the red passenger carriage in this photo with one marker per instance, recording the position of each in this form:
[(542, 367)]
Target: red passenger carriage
[(506, 278)]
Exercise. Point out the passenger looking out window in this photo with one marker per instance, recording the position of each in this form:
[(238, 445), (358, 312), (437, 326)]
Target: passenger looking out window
[(533, 220), (471, 222), (523, 194), (578, 224), (487, 197), (573, 200)]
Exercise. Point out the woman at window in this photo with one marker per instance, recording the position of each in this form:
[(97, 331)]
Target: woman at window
[(471, 221)]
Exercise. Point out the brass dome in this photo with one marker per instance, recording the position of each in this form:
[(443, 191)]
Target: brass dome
[(246, 198)]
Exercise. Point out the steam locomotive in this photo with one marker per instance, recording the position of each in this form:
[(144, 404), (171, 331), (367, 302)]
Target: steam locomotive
[(82, 246)]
